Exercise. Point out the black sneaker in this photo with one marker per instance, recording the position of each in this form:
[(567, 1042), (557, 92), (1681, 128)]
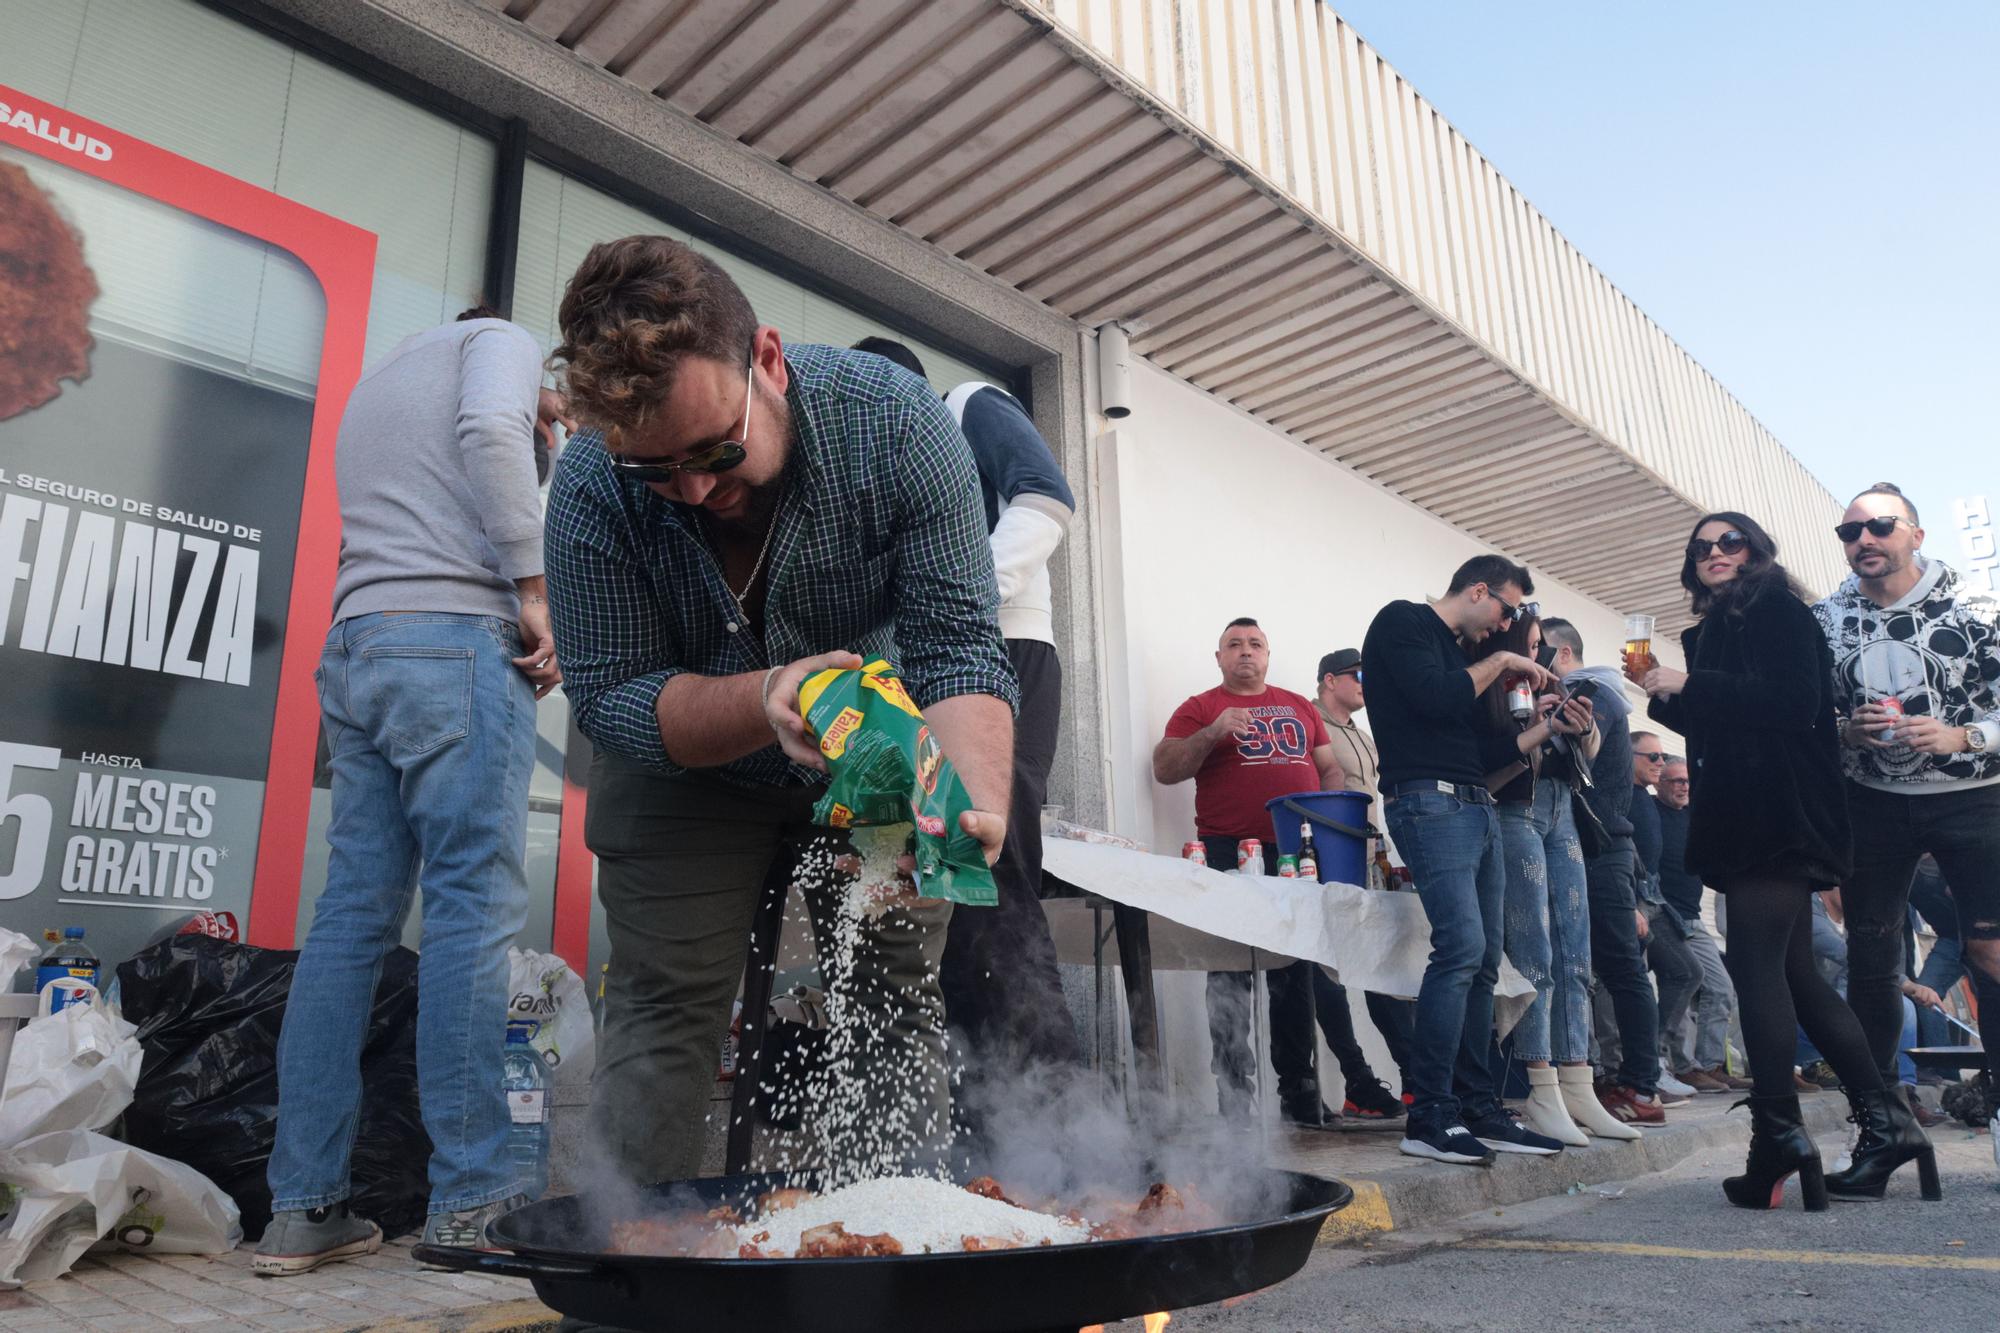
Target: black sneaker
[(1503, 1133), (1444, 1143), (1370, 1099), (1307, 1111)]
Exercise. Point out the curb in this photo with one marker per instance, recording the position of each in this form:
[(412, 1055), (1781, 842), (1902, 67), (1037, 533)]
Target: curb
[(1424, 1195)]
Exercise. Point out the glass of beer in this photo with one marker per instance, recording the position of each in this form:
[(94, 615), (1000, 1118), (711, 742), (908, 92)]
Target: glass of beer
[(1639, 657)]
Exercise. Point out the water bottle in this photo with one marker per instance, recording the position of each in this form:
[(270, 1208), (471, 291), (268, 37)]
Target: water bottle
[(69, 957), (526, 1079)]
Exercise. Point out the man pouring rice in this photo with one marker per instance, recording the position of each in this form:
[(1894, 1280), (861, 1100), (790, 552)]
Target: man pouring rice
[(739, 516)]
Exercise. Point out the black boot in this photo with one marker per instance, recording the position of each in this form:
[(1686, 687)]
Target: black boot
[(1301, 1106), (1779, 1145), (1890, 1136)]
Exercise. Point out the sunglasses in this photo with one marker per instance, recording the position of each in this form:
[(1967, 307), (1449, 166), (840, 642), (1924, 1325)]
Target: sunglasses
[(1850, 533), (1650, 756), (1513, 614), (718, 457), (1729, 543)]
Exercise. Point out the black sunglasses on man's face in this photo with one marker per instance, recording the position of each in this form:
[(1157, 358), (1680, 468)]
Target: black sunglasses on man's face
[(1512, 614), (1729, 543), (718, 457), (1850, 533)]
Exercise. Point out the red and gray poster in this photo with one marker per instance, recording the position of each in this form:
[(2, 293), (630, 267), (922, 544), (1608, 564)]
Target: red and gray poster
[(175, 349)]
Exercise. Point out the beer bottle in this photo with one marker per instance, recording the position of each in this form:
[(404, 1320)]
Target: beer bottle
[(1308, 852)]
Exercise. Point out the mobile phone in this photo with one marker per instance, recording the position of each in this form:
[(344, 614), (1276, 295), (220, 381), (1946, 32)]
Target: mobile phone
[(1582, 689)]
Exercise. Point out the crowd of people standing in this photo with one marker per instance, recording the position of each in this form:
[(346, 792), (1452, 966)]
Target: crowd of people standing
[(739, 513)]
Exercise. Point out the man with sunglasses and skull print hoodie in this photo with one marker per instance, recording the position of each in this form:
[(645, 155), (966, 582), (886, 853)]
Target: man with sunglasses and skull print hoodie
[(1917, 675), (738, 515)]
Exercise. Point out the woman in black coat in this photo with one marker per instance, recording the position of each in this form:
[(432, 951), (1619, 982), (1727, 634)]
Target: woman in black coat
[(1768, 827)]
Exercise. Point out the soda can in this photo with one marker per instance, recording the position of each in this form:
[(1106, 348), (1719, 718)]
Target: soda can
[(1288, 867), (1250, 857), (1892, 705), (1520, 698), (1195, 852)]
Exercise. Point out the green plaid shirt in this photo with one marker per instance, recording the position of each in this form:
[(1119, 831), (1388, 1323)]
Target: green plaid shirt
[(880, 549)]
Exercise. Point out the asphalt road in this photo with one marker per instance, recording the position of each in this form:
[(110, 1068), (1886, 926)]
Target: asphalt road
[(1666, 1253)]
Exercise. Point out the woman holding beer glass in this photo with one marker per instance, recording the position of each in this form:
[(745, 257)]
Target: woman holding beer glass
[(1768, 828)]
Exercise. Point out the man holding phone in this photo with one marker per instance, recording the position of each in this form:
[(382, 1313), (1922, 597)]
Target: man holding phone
[(1616, 954)]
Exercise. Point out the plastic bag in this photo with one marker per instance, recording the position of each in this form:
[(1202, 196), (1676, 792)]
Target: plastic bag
[(77, 1190), (543, 991), (209, 1013), (16, 952), (886, 767), (73, 1069)]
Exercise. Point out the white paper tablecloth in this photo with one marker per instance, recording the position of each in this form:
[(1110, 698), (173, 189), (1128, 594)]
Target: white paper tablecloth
[(1369, 939)]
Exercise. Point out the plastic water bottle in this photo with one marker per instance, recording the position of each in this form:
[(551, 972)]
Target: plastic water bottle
[(69, 957), (526, 1079)]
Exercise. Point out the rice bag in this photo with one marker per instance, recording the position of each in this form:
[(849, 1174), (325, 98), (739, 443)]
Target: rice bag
[(887, 768)]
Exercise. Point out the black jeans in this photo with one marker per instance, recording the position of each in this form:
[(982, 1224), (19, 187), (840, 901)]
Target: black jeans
[(1294, 1045), (1620, 965), (1891, 830), (1675, 966), (1395, 1019), (1002, 991)]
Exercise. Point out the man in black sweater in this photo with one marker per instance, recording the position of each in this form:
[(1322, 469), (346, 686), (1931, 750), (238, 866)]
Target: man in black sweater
[(1436, 751)]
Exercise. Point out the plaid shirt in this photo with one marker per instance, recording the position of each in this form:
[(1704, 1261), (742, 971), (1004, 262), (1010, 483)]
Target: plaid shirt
[(880, 549)]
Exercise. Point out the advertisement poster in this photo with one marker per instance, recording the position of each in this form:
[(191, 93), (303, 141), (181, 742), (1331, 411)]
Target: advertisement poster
[(175, 346)]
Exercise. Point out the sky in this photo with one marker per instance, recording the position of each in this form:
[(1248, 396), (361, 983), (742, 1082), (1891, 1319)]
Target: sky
[(1804, 196)]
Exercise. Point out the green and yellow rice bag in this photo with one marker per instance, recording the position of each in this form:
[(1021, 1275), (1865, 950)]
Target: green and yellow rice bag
[(887, 768)]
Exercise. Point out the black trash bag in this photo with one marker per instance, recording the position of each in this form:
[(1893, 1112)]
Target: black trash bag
[(209, 1013)]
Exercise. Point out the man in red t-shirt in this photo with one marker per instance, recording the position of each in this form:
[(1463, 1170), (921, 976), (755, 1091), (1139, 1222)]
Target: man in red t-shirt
[(1243, 743)]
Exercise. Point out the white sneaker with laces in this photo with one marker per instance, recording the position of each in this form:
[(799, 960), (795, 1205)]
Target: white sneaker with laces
[(1670, 1084)]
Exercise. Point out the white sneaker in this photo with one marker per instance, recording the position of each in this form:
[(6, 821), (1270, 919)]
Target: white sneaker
[(1670, 1084)]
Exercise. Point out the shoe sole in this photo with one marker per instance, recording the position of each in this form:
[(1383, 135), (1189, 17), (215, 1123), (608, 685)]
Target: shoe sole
[(288, 1265), (1502, 1145), (1356, 1113), (1418, 1148)]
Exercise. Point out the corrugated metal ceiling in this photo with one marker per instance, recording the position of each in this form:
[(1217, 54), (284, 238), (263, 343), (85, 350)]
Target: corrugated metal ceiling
[(1001, 140)]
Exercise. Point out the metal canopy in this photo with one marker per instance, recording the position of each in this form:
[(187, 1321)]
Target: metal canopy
[(1003, 139)]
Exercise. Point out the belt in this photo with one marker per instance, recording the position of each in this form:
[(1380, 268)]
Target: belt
[(1476, 795)]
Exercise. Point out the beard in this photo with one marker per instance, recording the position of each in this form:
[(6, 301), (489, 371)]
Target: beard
[(762, 498)]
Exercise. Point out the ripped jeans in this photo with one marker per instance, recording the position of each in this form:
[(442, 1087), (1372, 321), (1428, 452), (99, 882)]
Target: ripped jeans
[(1548, 922)]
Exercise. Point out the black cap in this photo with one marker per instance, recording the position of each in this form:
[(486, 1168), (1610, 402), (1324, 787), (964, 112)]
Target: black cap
[(1338, 663)]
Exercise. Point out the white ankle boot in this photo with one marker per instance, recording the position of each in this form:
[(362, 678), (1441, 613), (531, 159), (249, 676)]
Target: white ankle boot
[(1580, 1100), (1545, 1112)]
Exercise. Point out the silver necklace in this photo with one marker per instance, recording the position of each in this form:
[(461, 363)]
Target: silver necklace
[(743, 612)]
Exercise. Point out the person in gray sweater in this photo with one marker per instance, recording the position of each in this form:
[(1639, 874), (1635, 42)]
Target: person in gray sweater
[(440, 647)]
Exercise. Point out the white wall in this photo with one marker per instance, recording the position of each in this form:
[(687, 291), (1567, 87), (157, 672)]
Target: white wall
[(1210, 515)]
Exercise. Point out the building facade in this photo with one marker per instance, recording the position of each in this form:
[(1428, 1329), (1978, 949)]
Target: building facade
[(1357, 357)]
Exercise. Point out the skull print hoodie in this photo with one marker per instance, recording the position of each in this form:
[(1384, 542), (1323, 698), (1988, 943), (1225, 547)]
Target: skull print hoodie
[(1938, 651)]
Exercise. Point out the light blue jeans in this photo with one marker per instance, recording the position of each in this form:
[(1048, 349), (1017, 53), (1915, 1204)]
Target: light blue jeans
[(1548, 923), (431, 733)]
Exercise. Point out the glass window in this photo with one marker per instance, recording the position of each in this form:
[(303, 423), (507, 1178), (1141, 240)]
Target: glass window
[(200, 84)]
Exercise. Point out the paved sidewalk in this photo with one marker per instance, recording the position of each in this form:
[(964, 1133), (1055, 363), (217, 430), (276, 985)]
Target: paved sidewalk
[(125, 1293)]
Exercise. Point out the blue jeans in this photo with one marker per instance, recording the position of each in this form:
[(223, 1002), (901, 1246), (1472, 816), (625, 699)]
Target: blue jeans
[(1548, 923), (431, 733), (1941, 972), (1452, 848)]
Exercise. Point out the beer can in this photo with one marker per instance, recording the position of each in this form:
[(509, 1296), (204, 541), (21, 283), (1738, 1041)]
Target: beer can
[(1894, 706), (1288, 866), (1250, 857), (1195, 852), (1520, 698)]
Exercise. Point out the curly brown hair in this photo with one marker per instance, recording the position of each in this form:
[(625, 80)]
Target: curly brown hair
[(635, 309)]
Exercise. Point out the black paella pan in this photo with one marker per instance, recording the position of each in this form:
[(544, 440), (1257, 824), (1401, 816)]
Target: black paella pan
[(559, 1245)]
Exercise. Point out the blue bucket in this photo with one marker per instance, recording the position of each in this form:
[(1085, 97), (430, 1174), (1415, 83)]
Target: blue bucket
[(1340, 829)]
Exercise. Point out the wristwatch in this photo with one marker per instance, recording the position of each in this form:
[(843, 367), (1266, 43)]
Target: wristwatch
[(1975, 739)]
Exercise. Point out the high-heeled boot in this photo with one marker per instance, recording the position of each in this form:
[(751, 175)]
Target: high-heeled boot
[(1545, 1112), (1890, 1136), (1779, 1145)]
